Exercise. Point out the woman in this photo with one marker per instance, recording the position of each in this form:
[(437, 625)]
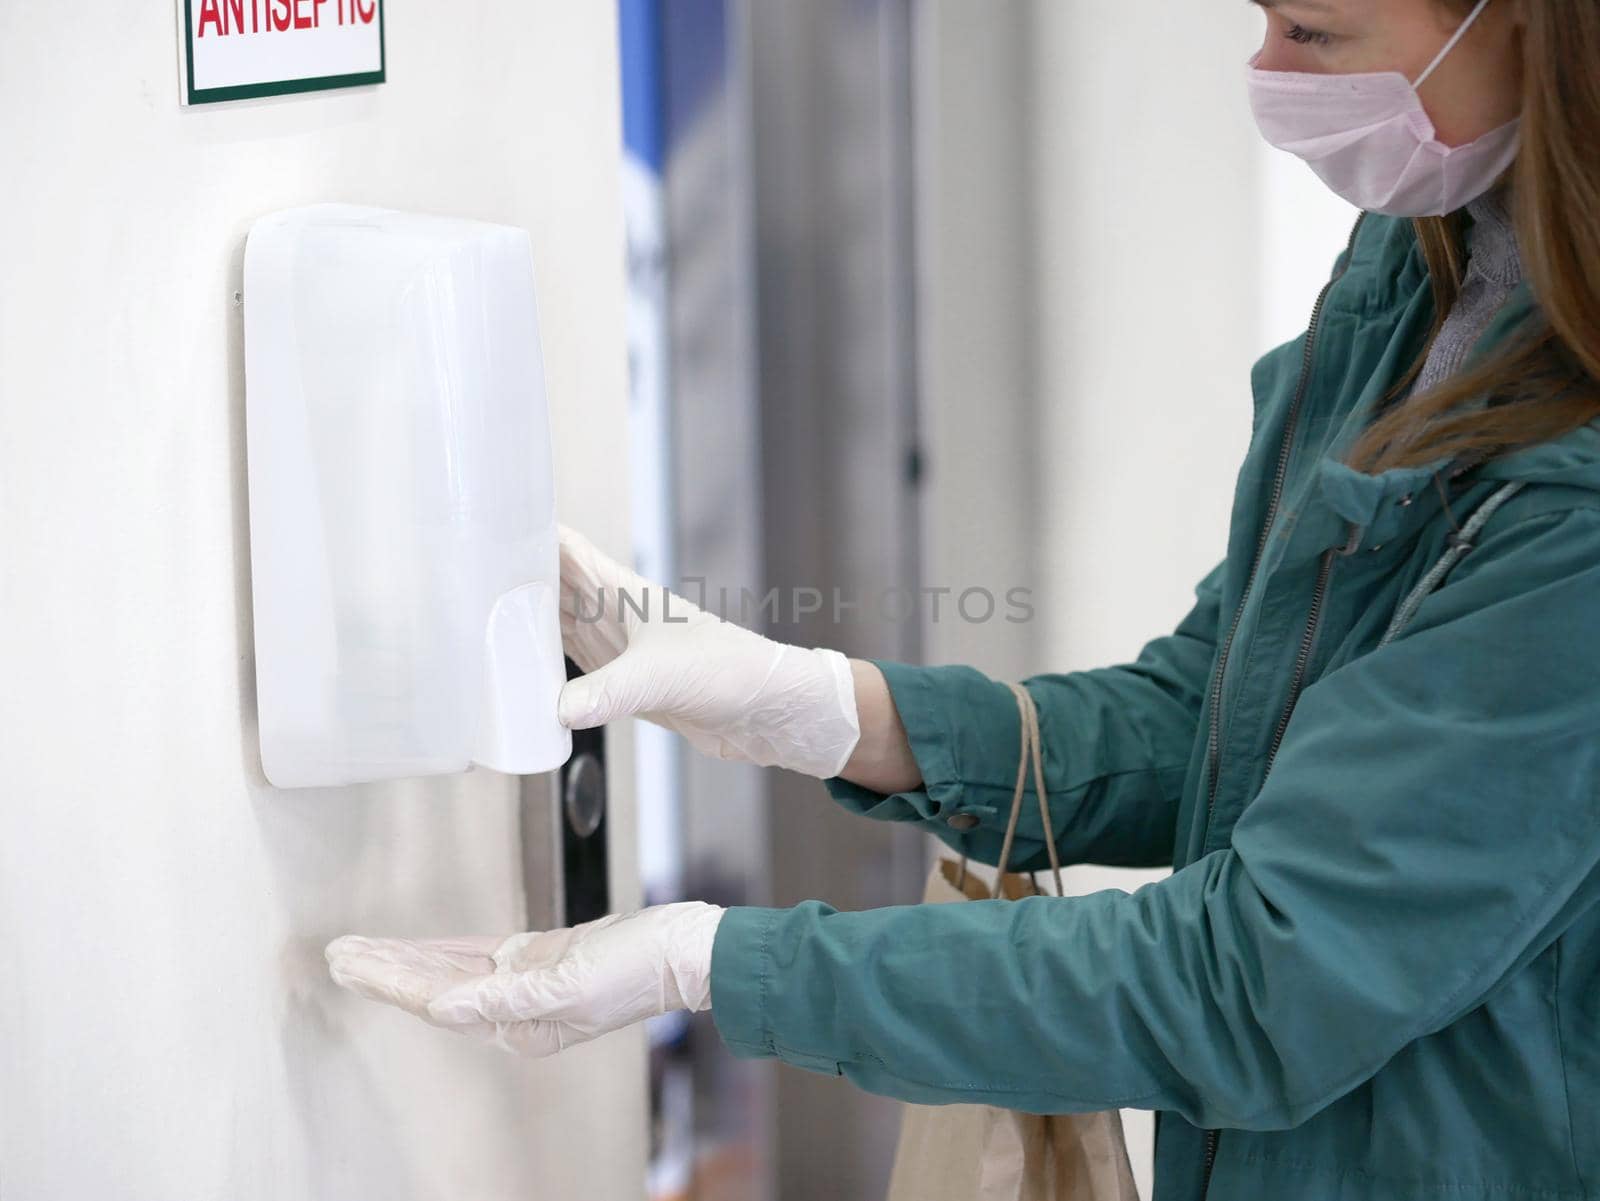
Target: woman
[(1375, 972)]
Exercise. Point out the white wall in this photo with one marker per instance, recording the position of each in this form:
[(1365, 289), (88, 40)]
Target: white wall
[(976, 323), (1149, 246), (1107, 247), (167, 1028)]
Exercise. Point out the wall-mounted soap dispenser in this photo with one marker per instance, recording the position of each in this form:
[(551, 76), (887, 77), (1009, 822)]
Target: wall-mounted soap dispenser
[(402, 510)]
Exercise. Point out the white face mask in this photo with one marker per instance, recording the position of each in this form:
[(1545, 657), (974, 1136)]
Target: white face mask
[(1371, 141)]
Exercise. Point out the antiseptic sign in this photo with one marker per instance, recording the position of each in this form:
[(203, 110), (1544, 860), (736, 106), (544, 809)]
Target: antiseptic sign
[(237, 49)]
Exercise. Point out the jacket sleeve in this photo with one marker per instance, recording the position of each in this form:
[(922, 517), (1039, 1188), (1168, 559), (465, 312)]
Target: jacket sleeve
[(1432, 823), (1116, 741)]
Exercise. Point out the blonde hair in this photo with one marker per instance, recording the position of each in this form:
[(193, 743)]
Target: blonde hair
[(1546, 381)]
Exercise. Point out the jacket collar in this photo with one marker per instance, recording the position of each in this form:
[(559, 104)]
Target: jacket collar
[(1378, 508)]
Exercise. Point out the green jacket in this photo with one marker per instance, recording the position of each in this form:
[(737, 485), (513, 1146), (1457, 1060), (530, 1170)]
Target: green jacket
[(1376, 970)]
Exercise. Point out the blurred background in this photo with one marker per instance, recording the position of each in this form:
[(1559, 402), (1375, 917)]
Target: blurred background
[(925, 295)]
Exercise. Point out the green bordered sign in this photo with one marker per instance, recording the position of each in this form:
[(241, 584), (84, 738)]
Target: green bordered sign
[(240, 49)]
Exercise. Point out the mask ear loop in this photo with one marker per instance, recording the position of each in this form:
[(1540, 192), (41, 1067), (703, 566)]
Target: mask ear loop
[(1451, 44)]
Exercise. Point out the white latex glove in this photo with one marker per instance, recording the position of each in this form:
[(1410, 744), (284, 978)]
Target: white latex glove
[(539, 993), (732, 693), (410, 973)]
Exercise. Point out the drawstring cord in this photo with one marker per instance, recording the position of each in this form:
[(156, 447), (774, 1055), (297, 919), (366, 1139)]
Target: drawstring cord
[(1460, 543)]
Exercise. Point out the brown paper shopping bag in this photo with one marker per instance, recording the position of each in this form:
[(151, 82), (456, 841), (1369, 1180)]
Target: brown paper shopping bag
[(984, 1153)]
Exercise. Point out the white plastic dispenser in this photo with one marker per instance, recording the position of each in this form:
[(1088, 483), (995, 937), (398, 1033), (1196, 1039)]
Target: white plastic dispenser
[(402, 511)]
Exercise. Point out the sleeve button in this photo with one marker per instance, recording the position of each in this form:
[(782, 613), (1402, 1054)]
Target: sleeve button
[(961, 821)]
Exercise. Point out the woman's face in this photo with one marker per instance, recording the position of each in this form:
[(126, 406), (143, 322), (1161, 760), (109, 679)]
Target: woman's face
[(1477, 88)]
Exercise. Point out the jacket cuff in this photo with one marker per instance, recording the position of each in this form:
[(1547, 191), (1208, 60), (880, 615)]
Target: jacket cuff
[(964, 734), (741, 971)]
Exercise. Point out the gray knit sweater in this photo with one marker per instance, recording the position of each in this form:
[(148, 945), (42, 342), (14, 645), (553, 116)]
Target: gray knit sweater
[(1494, 269)]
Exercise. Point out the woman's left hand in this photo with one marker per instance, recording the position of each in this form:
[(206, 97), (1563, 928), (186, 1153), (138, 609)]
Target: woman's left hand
[(539, 993)]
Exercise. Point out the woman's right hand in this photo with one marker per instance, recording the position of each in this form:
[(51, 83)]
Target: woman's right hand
[(732, 693)]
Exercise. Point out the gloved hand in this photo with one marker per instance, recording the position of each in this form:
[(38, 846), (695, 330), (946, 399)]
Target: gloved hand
[(732, 693), (539, 993)]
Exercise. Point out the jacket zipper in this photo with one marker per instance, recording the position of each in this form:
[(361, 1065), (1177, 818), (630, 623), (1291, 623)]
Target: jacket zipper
[(1307, 643), (1214, 740)]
